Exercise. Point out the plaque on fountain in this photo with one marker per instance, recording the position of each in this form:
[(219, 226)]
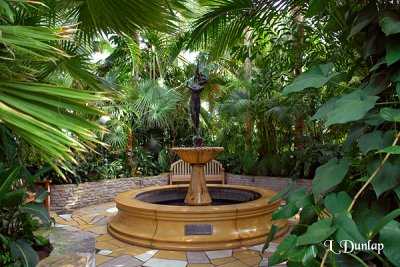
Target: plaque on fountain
[(198, 229)]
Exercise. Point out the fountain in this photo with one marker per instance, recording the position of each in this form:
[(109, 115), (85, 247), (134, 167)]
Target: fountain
[(198, 216)]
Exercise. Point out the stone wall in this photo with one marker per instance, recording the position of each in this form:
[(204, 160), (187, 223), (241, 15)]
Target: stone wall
[(272, 183), (72, 196)]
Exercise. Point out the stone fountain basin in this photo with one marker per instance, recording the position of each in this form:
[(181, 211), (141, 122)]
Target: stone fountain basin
[(164, 226), (199, 155)]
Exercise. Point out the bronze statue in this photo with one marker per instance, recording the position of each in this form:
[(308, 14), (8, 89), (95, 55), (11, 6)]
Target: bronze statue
[(199, 81)]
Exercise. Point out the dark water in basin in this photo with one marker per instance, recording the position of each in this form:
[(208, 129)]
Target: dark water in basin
[(219, 196)]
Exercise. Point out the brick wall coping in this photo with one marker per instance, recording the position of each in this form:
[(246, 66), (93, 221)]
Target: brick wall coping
[(72, 196)]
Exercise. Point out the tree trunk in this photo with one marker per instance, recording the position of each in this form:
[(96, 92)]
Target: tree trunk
[(129, 153), (248, 76), (299, 120), (136, 69)]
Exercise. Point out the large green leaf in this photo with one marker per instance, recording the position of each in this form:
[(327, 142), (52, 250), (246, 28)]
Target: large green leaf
[(391, 150), (315, 7), (283, 192), (358, 102), (390, 114), (390, 22), (294, 202), (317, 232), (22, 250), (304, 255), (389, 217), (322, 112), (37, 210), (283, 250), (392, 51), (13, 198), (375, 140), (365, 17), (315, 77), (367, 217), (347, 229), (389, 236), (7, 177), (337, 203), (271, 235), (387, 178), (330, 175)]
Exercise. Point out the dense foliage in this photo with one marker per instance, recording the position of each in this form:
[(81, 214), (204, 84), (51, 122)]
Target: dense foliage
[(296, 88)]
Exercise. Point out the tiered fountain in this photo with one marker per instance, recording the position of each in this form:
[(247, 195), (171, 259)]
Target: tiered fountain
[(198, 216)]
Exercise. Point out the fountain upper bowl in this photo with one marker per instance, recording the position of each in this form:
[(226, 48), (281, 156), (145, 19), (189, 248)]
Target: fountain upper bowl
[(197, 155)]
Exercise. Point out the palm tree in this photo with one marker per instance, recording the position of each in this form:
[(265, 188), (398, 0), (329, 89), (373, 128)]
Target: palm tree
[(36, 43)]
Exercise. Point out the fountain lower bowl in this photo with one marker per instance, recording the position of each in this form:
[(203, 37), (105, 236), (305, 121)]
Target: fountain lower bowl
[(154, 217)]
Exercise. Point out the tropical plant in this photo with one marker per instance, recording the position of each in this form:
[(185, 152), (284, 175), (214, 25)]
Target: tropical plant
[(17, 224), (355, 195)]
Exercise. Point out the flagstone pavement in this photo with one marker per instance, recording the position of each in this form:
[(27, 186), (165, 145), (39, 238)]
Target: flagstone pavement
[(113, 252)]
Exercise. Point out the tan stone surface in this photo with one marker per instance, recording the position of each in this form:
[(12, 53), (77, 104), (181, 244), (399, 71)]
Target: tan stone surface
[(234, 264), (200, 265), (69, 260), (170, 255), (101, 259), (252, 261), (223, 260), (98, 229), (245, 254), (104, 237), (132, 250), (106, 245), (118, 243)]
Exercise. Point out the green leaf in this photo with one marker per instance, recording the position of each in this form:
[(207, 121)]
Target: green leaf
[(389, 22), (387, 178), (322, 112), (6, 11), (390, 114), (397, 191), (21, 249), (13, 198), (330, 175), (271, 235), (391, 150), (41, 195), (367, 217), (315, 7), (375, 140), (283, 192), (282, 251), (347, 229), (358, 102), (304, 254), (337, 203), (389, 217), (315, 77), (7, 178), (317, 232), (374, 119), (389, 236), (398, 90), (376, 84), (308, 216), (392, 51), (40, 211), (294, 202), (365, 17)]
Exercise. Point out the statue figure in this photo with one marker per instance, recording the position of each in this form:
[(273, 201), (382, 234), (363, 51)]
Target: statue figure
[(199, 81)]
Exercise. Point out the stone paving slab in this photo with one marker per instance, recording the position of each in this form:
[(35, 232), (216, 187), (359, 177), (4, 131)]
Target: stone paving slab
[(113, 252)]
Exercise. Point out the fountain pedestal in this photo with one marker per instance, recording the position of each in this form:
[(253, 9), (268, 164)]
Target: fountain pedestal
[(197, 194), (197, 157)]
